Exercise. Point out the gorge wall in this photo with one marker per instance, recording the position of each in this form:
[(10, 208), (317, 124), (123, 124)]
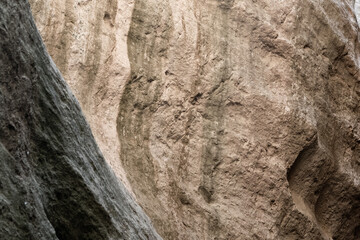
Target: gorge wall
[(227, 119), (54, 181)]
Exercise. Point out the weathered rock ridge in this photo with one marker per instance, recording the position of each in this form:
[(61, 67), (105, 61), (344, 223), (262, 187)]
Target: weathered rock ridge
[(227, 119), (54, 181)]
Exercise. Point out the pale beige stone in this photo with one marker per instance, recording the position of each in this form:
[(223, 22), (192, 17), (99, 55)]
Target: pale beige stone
[(228, 119)]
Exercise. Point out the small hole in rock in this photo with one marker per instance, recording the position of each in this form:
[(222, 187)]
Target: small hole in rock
[(107, 16)]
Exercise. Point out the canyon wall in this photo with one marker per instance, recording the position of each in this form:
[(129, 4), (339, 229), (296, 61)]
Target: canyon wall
[(227, 119), (54, 181), (87, 40)]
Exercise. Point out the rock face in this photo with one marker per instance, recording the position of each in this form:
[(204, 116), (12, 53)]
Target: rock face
[(54, 182), (229, 119), (87, 40)]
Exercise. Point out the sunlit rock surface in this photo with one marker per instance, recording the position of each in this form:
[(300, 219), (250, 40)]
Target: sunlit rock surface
[(227, 119)]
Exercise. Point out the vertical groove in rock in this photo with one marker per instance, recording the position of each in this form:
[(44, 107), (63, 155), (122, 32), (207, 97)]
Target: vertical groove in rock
[(148, 43), (92, 68), (214, 113)]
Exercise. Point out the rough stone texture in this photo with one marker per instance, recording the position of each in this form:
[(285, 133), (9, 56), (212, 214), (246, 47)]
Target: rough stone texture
[(235, 119), (87, 40), (357, 10), (54, 181)]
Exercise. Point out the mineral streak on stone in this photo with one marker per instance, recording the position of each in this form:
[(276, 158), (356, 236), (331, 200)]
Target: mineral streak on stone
[(54, 181), (230, 119)]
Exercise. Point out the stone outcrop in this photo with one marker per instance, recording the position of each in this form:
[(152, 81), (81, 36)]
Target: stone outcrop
[(54, 181), (227, 119)]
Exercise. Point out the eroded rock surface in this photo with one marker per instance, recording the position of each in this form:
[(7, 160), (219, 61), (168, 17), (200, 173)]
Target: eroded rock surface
[(231, 119), (54, 182)]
